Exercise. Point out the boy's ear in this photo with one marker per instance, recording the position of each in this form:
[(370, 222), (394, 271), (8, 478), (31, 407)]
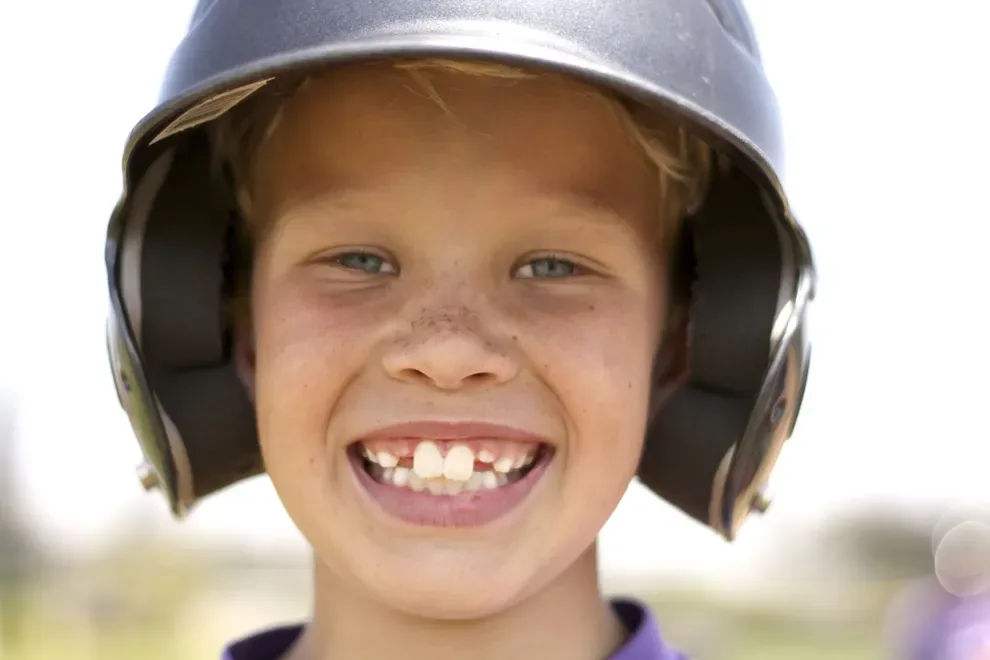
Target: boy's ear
[(244, 353), (672, 366)]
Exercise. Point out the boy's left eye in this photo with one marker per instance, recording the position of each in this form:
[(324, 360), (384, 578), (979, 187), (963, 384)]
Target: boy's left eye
[(548, 267), (365, 262)]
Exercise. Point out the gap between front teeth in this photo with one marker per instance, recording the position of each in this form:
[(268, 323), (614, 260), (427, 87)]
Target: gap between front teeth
[(449, 474)]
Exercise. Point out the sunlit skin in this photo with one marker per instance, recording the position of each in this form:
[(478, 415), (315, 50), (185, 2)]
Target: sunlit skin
[(496, 259)]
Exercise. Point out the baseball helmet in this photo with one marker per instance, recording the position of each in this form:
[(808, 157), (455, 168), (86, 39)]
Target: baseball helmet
[(710, 446)]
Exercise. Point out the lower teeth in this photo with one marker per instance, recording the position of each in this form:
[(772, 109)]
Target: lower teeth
[(405, 478)]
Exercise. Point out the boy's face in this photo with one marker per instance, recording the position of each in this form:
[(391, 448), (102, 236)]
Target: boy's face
[(490, 257)]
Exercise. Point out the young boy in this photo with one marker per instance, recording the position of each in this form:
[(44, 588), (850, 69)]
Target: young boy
[(453, 275)]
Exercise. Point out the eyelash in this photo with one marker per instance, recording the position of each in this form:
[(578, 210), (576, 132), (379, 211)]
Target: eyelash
[(338, 260), (576, 269)]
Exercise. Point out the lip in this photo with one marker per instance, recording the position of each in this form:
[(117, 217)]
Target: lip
[(466, 509), (440, 430)]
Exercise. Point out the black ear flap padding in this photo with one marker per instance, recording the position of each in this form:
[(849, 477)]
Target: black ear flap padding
[(184, 335), (217, 424), (182, 276), (688, 443), (734, 298)]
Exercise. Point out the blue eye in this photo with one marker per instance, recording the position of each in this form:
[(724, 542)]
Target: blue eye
[(549, 267), (365, 262)]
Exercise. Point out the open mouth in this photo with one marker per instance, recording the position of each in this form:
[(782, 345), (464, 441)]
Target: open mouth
[(450, 468), (445, 483)]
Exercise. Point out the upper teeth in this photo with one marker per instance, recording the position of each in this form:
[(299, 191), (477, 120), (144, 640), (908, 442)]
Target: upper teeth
[(458, 464), (504, 464), (429, 463)]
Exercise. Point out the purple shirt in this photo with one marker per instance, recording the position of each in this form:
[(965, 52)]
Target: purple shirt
[(959, 631), (644, 641), (925, 622)]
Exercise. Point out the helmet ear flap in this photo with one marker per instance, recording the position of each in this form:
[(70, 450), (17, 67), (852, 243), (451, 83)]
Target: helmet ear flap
[(734, 255), (171, 329), (687, 443)]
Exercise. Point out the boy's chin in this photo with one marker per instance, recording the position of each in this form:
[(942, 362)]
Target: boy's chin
[(451, 589), (452, 600)]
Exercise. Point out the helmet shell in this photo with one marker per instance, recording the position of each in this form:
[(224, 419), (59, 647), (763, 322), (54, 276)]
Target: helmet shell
[(708, 450)]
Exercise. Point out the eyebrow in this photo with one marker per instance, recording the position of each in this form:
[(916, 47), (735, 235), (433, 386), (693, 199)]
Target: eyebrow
[(336, 199), (570, 205), (346, 198), (585, 206)]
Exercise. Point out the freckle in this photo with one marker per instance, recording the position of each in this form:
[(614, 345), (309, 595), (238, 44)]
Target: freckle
[(591, 308)]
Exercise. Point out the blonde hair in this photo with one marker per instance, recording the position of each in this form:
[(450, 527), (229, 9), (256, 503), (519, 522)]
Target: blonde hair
[(683, 161)]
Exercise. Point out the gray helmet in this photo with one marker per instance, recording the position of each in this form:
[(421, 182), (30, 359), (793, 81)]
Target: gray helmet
[(709, 447)]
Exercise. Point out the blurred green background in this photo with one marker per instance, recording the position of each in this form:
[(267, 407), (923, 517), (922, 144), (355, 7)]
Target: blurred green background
[(145, 596)]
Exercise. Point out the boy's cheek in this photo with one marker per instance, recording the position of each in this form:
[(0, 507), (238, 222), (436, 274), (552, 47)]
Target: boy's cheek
[(303, 354), (602, 372), (594, 352), (297, 312)]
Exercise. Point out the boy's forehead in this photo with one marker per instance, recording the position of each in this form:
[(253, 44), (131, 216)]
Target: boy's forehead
[(434, 109), (358, 127)]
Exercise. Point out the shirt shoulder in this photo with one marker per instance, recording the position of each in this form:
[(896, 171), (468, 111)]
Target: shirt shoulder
[(644, 643), (927, 623), (964, 631), (270, 644)]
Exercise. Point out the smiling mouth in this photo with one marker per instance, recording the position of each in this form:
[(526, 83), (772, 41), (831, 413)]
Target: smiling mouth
[(447, 468), (449, 483)]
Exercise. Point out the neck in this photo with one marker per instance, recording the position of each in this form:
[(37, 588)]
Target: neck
[(347, 625)]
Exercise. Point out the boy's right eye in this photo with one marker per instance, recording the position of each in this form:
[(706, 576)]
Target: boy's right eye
[(365, 262)]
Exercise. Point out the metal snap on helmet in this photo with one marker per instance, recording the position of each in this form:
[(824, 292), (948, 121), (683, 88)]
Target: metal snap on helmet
[(709, 448)]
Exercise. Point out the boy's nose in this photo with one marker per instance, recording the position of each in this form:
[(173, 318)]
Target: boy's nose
[(451, 358)]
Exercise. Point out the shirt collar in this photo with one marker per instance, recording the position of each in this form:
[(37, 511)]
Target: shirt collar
[(644, 643)]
